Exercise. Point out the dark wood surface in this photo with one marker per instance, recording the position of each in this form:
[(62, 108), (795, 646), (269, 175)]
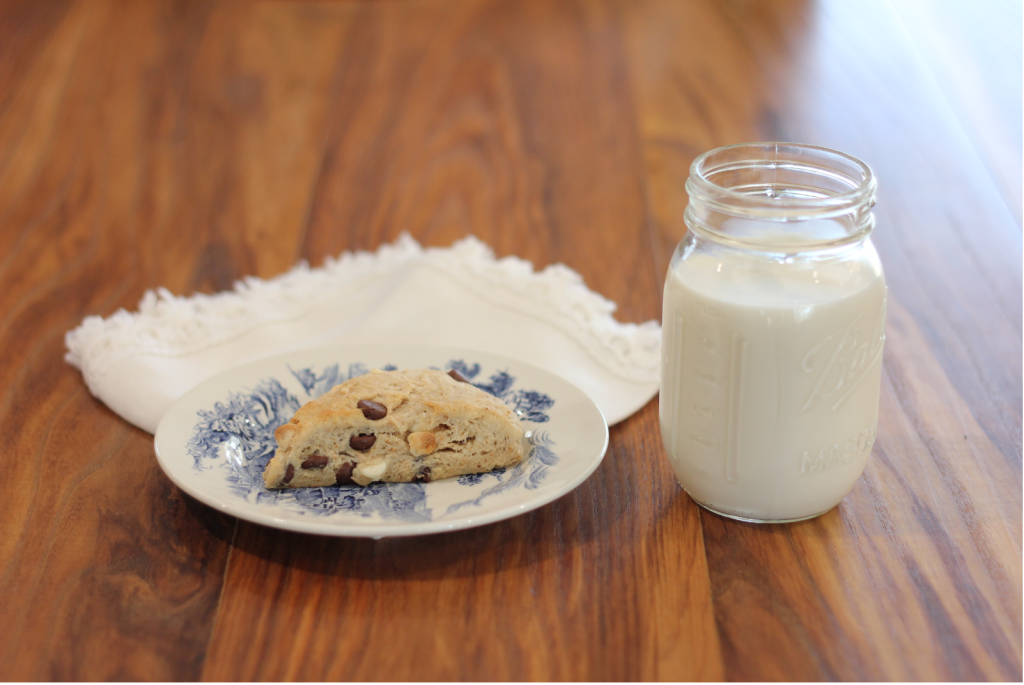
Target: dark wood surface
[(188, 144)]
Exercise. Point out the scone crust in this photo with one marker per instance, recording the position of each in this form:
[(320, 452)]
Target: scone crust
[(435, 427)]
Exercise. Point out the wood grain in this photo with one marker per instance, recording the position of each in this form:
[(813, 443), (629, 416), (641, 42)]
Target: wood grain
[(921, 531), (532, 598), (486, 109), (108, 571), (185, 144), (939, 503)]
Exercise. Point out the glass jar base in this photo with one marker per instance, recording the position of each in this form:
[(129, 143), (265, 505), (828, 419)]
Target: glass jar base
[(747, 519)]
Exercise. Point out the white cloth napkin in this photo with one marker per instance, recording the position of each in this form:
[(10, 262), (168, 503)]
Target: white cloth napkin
[(140, 363)]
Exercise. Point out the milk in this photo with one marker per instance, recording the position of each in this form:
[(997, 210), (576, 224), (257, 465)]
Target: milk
[(770, 377)]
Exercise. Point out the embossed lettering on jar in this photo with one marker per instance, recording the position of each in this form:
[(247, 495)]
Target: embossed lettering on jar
[(773, 328)]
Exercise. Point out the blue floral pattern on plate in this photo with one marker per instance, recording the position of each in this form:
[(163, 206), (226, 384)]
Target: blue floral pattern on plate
[(237, 435)]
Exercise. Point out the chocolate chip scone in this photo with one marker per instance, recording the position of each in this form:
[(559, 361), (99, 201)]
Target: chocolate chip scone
[(396, 427)]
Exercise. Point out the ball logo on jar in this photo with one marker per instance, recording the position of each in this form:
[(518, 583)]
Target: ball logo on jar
[(837, 454), (839, 370)]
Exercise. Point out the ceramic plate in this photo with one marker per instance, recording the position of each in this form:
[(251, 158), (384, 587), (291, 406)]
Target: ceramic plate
[(215, 441)]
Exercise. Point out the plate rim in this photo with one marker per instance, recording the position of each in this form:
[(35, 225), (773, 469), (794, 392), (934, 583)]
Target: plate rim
[(333, 529)]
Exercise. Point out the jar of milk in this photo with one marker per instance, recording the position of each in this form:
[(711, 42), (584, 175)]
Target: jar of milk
[(773, 326)]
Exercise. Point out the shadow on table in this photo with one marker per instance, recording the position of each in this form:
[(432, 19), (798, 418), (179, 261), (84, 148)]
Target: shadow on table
[(568, 526)]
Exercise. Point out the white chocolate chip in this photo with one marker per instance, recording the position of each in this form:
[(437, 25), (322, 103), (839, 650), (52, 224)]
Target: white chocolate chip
[(364, 474)]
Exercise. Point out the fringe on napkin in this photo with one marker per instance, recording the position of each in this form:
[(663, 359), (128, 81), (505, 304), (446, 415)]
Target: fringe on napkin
[(168, 325)]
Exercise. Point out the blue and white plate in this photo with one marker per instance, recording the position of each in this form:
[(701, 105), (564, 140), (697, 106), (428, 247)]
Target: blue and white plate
[(215, 441)]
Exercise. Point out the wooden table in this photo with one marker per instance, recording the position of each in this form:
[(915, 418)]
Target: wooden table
[(152, 143)]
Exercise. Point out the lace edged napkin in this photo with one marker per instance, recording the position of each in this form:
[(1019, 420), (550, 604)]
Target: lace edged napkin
[(139, 363)]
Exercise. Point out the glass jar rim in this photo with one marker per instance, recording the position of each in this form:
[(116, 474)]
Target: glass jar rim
[(833, 164)]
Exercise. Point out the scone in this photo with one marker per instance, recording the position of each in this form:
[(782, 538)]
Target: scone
[(396, 427)]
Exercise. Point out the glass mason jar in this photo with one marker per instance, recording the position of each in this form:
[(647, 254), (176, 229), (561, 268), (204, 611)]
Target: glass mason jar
[(772, 332)]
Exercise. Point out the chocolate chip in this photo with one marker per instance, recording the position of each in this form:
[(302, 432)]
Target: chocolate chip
[(316, 461), (289, 473), (374, 411), (345, 473), (458, 376), (362, 442), (423, 476)]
